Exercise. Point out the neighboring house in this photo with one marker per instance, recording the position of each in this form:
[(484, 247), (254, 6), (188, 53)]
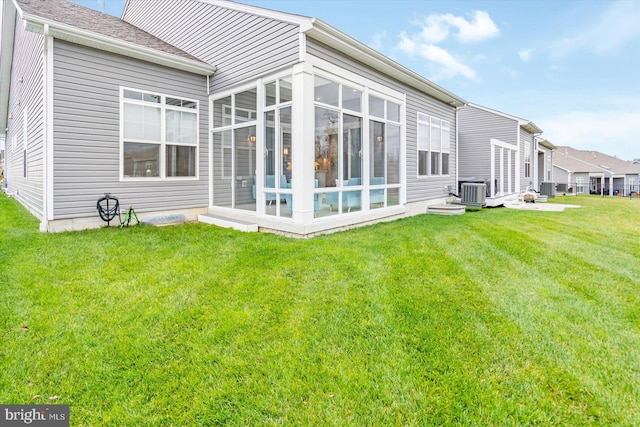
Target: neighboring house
[(593, 172), (194, 107), (499, 150), (544, 151)]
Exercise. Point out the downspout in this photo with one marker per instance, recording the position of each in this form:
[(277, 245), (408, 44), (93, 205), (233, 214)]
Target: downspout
[(537, 180), (457, 152), (47, 146), (457, 189)]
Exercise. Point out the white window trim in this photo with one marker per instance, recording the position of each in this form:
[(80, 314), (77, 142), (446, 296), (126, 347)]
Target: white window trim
[(527, 152), (279, 130), (368, 90), (253, 121), (441, 151), (337, 74), (163, 142)]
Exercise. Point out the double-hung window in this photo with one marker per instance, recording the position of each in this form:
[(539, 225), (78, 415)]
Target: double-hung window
[(434, 145), (159, 135), (527, 159)]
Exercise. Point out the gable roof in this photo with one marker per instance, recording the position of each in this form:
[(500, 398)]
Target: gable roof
[(336, 39), (78, 24), (570, 164), (600, 161), (71, 22), (527, 125)]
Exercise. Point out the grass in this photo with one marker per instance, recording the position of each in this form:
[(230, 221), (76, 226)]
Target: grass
[(498, 317)]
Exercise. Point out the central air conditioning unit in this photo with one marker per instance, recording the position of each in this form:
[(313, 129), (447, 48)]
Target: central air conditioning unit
[(473, 194), (548, 189)]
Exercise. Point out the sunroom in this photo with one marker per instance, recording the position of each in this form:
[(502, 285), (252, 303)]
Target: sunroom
[(308, 150)]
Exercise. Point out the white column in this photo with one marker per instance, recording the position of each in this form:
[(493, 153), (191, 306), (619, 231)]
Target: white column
[(302, 123), (493, 171), (611, 185), (509, 173), (501, 171), (260, 150), (519, 171)]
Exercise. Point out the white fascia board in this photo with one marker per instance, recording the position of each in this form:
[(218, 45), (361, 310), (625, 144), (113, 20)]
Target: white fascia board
[(303, 21), (338, 40), (6, 55), (110, 44), (499, 113), (526, 124), (530, 126), (547, 144), (560, 167)]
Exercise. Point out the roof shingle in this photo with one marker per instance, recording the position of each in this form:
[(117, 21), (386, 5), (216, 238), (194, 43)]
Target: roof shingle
[(65, 12)]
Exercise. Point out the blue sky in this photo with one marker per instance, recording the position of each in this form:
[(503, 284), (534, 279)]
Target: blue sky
[(572, 67)]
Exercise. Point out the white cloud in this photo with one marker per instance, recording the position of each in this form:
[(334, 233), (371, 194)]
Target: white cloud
[(376, 40), (434, 29), (612, 132), (615, 27), (525, 54), (407, 45), (480, 28), (449, 67), (437, 28)]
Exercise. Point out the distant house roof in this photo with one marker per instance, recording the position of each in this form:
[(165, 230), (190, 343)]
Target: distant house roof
[(525, 124), (570, 164), (78, 24), (599, 160)]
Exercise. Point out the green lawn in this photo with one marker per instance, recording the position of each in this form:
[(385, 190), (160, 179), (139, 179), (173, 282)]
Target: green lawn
[(498, 317)]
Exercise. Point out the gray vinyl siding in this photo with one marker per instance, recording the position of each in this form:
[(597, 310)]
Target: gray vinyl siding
[(423, 188), (87, 132), (241, 45), (26, 97), (476, 128), (574, 181), (560, 175), (545, 166)]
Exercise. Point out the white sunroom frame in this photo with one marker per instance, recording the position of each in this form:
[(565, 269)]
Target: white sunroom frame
[(302, 220)]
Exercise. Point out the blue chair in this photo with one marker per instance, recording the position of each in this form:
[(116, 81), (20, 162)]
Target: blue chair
[(269, 182), (316, 198), (376, 196), (350, 199)]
